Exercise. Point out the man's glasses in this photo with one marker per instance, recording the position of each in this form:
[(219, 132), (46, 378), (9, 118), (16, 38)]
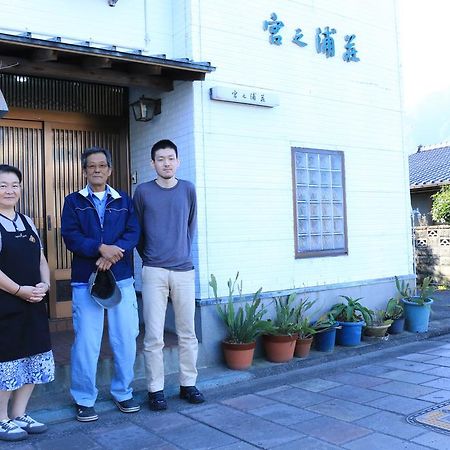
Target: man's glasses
[(94, 167)]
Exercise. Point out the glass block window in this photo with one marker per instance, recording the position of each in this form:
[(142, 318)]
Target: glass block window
[(319, 202)]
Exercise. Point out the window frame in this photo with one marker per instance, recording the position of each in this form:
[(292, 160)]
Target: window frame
[(317, 253)]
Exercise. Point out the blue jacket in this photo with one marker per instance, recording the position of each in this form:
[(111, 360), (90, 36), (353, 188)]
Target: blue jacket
[(83, 234)]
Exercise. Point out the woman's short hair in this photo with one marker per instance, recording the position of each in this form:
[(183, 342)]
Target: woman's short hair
[(91, 151), (6, 168)]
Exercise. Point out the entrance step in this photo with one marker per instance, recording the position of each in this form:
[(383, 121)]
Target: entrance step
[(62, 343)]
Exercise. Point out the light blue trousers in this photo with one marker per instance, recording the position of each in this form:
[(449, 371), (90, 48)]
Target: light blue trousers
[(123, 328)]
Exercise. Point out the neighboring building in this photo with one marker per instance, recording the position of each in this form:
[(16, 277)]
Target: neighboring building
[(294, 141), (429, 170)]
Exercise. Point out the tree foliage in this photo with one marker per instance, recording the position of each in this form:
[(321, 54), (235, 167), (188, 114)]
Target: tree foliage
[(440, 210)]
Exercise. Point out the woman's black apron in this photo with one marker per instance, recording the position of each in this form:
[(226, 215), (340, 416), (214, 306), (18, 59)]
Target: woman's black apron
[(23, 325)]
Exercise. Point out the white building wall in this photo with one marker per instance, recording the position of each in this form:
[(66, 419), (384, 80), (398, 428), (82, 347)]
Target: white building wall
[(243, 153), (146, 25)]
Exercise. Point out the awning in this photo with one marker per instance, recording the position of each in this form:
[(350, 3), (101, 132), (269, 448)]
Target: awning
[(24, 55), (3, 105)]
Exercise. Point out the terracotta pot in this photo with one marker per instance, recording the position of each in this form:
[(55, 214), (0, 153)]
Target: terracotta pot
[(279, 348), (238, 356), (302, 347)]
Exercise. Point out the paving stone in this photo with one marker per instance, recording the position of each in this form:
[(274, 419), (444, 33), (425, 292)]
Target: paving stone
[(408, 377), (441, 361), (434, 440), (441, 351), (436, 397), (440, 383), (360, 380), (237, 446), (380, 441), (307, 443), (354, 393), (439, 371), (412, 366), (297, 397), (125, 437), (402, 405), (343, 410), (332, 430), (199, 436), (274, 390), (316, 384), (371, 369), (405, 389), (249, 428), (162, 422), (76, 441), (389, 423), (283, 414), (248, 402), (418, 357)]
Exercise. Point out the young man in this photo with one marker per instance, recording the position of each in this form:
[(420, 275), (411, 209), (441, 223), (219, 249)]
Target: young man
[(100, 228), (167, 208)]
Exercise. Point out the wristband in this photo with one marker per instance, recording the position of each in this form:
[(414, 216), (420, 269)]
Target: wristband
[(48, 285), (18, 289)]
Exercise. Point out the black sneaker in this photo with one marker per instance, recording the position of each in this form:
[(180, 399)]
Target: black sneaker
[(156, 401), (86, 413), (191, 394), (128, 406)]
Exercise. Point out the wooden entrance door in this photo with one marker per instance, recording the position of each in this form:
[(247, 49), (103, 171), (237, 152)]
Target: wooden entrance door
[(49, 153)]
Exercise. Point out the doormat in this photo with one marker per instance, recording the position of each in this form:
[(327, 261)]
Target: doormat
[(436, 418)]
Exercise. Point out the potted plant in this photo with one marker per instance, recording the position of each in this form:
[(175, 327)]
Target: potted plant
[(418, 307), (394, 312), (352, 316), (282, 332), (305, 329), (244, 325), (378, 324), (325, 333)]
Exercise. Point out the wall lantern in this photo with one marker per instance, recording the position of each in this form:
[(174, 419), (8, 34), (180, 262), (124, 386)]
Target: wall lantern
[(3, 105), (145, 108)]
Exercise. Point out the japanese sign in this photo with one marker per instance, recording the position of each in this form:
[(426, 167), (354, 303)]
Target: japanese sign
[(324, 39), (241, 95)]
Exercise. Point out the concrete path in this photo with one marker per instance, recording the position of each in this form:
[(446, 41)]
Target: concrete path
[(357, 402)]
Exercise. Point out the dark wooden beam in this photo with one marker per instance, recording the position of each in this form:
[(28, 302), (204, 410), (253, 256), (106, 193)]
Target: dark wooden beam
[(92, 62), (44, 55), (77, 72)]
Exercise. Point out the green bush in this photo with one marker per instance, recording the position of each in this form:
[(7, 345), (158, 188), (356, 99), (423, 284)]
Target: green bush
[(440, 211)]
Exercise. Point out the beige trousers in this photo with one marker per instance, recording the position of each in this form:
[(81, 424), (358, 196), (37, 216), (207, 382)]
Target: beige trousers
[(157, 285)]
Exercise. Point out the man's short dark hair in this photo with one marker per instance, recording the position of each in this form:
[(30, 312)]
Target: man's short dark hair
[(164, 143), (6, 168), (91, 151)]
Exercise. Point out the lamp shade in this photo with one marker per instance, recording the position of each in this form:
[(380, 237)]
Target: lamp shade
[(145, 109)]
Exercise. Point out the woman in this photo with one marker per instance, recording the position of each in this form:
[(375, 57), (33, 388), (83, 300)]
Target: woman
[(26, 358)]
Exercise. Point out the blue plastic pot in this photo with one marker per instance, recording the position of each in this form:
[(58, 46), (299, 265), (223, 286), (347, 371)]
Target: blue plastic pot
[(417, 316), (324, 341), (397, 326), (350, 333)]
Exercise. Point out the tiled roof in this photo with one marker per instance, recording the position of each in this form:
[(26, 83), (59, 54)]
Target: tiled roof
[(428, 168)]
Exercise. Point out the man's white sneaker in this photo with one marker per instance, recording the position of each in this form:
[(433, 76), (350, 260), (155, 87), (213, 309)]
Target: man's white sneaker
[(30, 425), (9, 431)]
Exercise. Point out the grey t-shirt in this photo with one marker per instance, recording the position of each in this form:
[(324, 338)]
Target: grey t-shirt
[(168, 218)]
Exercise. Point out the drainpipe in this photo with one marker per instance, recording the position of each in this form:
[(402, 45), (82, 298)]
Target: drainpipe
[(146, 36)]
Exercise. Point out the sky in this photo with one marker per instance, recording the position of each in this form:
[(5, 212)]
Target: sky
[(425, 60)]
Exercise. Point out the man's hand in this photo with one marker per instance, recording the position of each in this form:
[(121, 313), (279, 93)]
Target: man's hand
[(112, 253), (103, 264)]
